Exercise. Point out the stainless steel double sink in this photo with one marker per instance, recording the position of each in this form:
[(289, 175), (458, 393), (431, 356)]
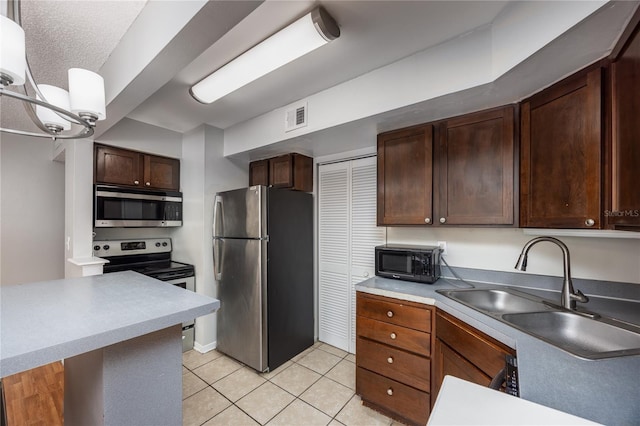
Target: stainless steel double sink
[(583, 334)]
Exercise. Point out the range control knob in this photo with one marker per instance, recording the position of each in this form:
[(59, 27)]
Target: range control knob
[(157, 244), (164, 244), (96, 248), (106, 247)]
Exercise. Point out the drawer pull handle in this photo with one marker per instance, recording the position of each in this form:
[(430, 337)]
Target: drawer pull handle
[(393, 336), (390, 360), (390, 314), (390, 392)]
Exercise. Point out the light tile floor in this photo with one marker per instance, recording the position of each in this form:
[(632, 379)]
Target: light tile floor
[(316, 387)]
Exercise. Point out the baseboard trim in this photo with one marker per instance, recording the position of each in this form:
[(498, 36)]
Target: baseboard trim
[(205, 348)]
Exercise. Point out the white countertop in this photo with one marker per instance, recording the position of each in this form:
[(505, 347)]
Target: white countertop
[(464, 403), (51, 320)]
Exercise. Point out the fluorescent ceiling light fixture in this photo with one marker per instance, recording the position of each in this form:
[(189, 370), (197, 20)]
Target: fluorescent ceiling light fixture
[(313, 30)]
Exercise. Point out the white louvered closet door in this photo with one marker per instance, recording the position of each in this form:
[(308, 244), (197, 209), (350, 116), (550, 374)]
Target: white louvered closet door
[(347, 237)]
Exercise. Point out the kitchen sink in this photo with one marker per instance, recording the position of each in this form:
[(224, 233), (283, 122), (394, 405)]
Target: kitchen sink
[(586, 337), (496, 301)]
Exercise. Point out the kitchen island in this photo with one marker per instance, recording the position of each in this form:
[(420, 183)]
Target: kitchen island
[(119, 335)]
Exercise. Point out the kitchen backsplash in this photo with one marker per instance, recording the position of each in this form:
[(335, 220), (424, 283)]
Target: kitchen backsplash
[(606, 259)]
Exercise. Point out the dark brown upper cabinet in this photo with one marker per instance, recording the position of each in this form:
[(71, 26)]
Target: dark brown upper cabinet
[(259, 173), (624, 209), (405, 176), (118, 166), (561, 154), (291, 171), (475, 169)]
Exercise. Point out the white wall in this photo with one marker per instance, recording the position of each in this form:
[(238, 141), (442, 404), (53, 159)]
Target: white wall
[(32, 227), (607, 259), (143, 137), (204, 171)]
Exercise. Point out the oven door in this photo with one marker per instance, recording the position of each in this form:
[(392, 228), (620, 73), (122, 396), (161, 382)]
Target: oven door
[(188, 328)]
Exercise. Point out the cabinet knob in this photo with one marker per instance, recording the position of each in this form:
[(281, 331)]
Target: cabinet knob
[(427, 220), (390, 360), (136, 182), (443, 219), (390, 314), (393, 336), (148, 183), (390, 392), (589, 222)]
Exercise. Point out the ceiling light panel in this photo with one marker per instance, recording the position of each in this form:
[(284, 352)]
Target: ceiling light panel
[(301, 37)]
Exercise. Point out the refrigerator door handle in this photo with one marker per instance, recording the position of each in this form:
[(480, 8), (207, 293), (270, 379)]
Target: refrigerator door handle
[(218, 223), (217, 264)]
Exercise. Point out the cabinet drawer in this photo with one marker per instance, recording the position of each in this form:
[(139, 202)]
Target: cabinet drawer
[(394, 363), (409, 403), (415, 341), (394, 312)]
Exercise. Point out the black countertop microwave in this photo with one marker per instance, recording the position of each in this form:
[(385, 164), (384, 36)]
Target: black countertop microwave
[(408, 262), (121, 207)]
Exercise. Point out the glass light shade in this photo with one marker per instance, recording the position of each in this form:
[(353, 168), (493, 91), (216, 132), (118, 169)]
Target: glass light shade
[(86, 93), (13, 60), (292, 42), (55, 96)]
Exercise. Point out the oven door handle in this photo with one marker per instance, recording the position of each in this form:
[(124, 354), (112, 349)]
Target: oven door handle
[(218, 244)]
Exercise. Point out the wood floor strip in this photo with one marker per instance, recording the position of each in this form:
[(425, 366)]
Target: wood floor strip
[(35, 397)]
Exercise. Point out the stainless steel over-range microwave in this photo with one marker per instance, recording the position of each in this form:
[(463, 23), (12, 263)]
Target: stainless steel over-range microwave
[(121, 207), (410, 263)]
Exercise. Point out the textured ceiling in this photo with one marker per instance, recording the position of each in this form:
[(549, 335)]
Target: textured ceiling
[(63, 34)]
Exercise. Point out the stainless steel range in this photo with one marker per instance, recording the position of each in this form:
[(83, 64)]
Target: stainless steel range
[(151, 257)]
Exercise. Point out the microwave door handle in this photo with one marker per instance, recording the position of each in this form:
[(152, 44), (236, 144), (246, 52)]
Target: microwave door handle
[(217, 263)]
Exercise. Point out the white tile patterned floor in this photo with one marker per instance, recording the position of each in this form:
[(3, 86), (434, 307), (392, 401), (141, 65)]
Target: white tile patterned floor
[(316, 387)]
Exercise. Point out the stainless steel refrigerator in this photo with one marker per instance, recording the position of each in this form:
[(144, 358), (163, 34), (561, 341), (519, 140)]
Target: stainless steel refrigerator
[(263, 264)]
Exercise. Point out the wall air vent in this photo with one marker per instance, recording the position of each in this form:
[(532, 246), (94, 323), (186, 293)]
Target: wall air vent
[(295, 117)]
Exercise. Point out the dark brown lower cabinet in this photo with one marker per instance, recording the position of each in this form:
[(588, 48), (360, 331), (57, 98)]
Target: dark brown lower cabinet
[(464, 352), (393, 357)]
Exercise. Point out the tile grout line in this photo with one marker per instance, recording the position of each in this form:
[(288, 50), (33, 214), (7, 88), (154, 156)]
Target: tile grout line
[(311, 349)]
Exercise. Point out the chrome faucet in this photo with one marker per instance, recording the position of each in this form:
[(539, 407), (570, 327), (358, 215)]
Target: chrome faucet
[(569, 295)]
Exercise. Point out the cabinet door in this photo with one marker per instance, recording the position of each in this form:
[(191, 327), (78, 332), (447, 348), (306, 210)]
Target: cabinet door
[(161, 172), (405, 176), (560, 175), (281, 171), (450, 363), (118, 166), (625, 205), (475, 168), (259, 173)]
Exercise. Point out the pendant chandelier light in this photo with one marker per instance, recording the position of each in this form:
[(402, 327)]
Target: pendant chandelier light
[(51, 108)]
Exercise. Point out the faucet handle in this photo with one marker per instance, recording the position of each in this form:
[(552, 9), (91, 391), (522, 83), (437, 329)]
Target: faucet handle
[(580, 297)]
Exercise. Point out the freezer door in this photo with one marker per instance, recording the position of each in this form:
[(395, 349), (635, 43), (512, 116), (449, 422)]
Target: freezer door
[(241, 273), (240, 213)]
